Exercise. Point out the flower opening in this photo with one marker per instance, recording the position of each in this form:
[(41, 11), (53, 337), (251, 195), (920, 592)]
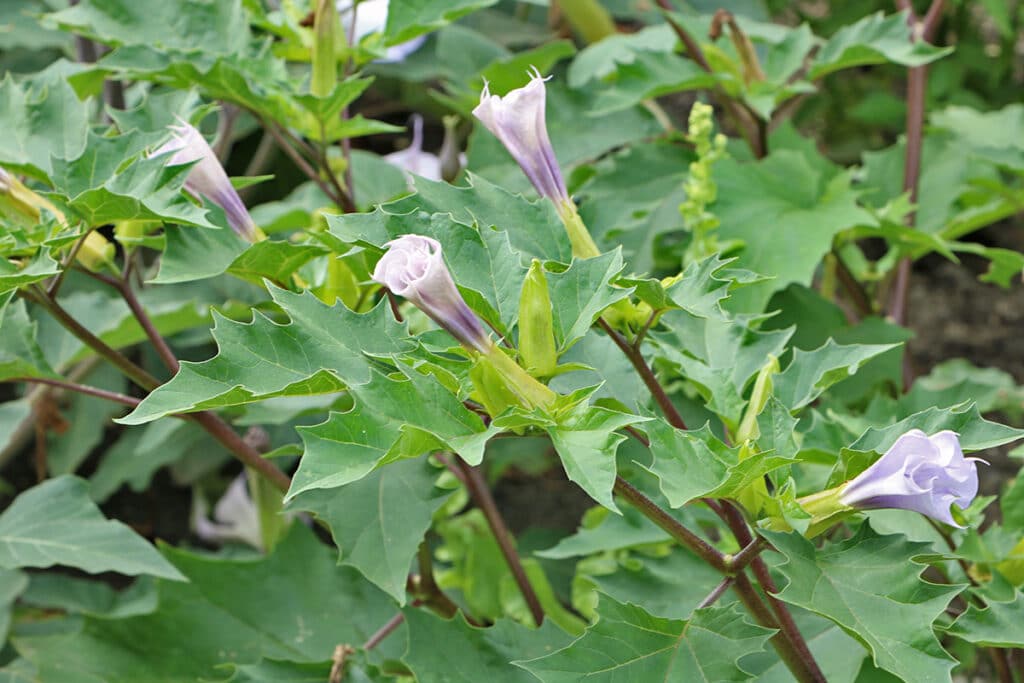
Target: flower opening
[(926, 474), (518, 121), (413, 267)]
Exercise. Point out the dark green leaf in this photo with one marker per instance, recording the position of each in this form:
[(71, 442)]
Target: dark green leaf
[(627, 643), (56, 523), (870, 587)]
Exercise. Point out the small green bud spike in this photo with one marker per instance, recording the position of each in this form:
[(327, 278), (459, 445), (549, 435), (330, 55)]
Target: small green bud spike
[(536, 324), (325, 54)]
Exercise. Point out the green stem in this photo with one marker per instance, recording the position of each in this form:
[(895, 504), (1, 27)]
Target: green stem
[(583, 245)]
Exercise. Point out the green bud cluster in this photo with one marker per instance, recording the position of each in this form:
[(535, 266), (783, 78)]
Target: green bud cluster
[(701, 190)]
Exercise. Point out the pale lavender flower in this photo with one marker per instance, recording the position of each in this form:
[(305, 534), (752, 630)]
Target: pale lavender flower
[(518, 121), (5, 181), (413, 160), (371, 16), (922, 473), (413, 267), (207, 178)]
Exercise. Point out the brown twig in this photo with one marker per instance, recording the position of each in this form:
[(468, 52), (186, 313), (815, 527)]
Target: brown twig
[(853, 287), (750, 127), (636, 357), (158, 342), (670, 524), (300, 161), (384, 631), (717, 592), (734, 519), (917, 85), (81, 389), (480, 492)]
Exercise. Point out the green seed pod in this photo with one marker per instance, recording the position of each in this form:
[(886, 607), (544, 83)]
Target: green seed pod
[(536, 326)]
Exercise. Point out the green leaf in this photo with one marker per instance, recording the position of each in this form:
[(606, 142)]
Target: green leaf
[(12, 584), (810, 373), (870, 586), (975, 433), (391, 420), (192, 254), (41, 267), (86, 596), (999, 624), (786, 209), (481, 261), (636, 67), (993, 135), (379, 521), (111, 182), (42, 119), (671, 586), (533, 227), (482, 653), (279, 671), (875, 39), (839, 656), (586, 441), (273, 260), (20, 355), (201, 626), (718, 355), (581, 293), (56, 523), (633, 199), (323, 349), (692, 464), (415, 17), (612, 532), (627, 643), (217, 27)]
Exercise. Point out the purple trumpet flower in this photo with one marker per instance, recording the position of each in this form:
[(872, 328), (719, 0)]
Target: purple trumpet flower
[(207, 178), (413, 267), (922, 473), (518, 121)]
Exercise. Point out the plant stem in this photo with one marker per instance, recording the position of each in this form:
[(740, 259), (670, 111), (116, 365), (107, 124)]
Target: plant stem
[(636, 357), (120, 361), (68, 260), (81, 389), (680, 533), (300, 161), (853, 287), (717, 592), (481, 495), (215, 426), (744, 557), (384, 631), (747, 122), (787, 653), (158, 342), (917, 86), (734, 519), (229, 438)]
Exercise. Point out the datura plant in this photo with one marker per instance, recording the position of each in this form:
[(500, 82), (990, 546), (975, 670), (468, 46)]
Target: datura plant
[(467, 340)]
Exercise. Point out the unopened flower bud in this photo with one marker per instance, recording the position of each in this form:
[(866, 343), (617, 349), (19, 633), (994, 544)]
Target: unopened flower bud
[(536, 325), (413, 267), (207, 178), (926, 474)]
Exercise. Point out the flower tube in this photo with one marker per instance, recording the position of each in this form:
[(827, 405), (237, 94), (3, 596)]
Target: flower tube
[(413, 267), (926, 474), (207, 177)]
